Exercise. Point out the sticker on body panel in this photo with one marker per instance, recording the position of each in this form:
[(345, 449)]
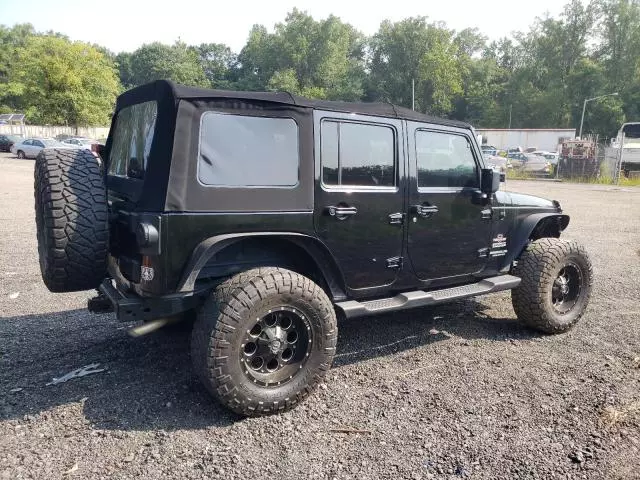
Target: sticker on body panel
[(500, 241), (146, 273)]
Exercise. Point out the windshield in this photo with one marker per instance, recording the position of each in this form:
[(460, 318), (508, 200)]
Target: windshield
[(131, 142), (631, 130)]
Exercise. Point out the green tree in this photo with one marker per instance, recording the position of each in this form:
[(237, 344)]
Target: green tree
[(619, 51), (156, 61), (63, 82), (414, 50), (322, 59), (123, 63), (217, 62), (11, 41)]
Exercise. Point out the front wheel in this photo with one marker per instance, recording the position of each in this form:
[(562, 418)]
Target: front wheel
[(556, 285), (21, 154), (264, 340)]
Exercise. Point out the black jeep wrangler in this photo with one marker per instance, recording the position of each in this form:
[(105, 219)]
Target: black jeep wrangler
[(269, 215)]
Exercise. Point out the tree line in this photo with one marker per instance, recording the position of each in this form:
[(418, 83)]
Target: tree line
[(532, 79)]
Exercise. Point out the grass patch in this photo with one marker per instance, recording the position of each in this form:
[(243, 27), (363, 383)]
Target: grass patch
[(516, 174), (605, 180), (612, 416)]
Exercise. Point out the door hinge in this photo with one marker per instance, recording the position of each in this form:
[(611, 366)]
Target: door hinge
[(396, 218), (394, 262), (483, 252), (487, 213)]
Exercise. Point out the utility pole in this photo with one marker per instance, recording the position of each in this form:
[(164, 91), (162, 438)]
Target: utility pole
[(584, 107), (510, 109), (619, 160), (413, 94)]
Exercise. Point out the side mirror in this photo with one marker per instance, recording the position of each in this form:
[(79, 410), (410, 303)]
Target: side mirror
[(490, 181)]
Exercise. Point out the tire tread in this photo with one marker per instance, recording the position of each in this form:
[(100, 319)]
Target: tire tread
[(535, 267), (71, 204), (222, 314)]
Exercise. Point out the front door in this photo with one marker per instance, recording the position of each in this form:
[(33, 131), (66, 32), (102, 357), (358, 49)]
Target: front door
[(448, 221), (26, 147), (35, 148), (359, 201)]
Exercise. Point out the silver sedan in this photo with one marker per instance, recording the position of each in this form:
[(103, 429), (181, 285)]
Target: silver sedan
[(31, 147)]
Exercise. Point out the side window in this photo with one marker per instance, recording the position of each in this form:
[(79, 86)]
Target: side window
[(131, 140), (445, 160), (27, 142), (357, 154), (38, 143), (244, 151)]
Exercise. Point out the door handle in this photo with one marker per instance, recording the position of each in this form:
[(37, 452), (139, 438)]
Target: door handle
[(425, 211), (341, 212)]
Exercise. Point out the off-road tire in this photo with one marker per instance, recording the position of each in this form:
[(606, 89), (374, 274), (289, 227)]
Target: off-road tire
[(228, 313), (20, 154), (71, 219), (538, 268)]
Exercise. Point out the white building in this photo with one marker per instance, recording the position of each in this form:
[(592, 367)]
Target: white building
[(548, 139)]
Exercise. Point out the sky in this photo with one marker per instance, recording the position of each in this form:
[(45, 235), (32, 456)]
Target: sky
[(122, 25)]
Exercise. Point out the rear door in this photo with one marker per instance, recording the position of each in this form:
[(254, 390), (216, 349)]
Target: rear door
[(359, 199), (26, 147), (449, 221)]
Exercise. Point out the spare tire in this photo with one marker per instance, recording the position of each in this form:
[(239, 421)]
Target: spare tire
[(71, 219)]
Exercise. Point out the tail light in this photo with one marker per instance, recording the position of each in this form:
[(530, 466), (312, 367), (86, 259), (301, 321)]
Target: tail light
[(98, 149)]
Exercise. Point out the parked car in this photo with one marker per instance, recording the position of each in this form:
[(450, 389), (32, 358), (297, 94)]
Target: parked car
[(63, 136), (269, 223), (496, 162), (514, 150), (81, 142), (552, 157), (489, 150), (7, 141), (530, 163), (31, 147)]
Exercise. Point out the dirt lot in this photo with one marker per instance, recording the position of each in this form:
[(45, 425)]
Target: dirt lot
[(449, 392)]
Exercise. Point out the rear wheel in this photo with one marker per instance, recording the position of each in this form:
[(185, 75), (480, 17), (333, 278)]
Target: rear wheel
[(557, 277), (264, 340)]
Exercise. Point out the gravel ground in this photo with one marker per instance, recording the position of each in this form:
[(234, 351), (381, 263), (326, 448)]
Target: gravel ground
[(449, 392)]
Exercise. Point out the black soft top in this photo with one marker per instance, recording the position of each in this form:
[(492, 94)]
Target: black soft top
[(161, 89)]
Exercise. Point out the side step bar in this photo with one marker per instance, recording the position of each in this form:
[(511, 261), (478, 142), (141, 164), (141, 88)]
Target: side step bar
[(420, 298)]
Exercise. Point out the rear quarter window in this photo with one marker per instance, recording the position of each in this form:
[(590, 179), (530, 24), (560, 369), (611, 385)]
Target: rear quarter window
[(247, 151)]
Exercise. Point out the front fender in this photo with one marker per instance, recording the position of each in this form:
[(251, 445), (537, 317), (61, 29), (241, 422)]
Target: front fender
[(532, 227)]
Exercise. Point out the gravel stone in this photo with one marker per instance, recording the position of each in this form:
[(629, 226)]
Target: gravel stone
[(453, 391)]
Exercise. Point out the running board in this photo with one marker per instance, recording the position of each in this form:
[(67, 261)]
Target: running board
[(420, 298)]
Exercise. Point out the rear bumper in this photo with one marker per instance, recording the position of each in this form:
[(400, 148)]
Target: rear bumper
[(130, 307)]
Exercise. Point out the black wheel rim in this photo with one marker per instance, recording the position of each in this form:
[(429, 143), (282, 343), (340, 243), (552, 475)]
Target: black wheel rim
[(567, 288), (276, 347)]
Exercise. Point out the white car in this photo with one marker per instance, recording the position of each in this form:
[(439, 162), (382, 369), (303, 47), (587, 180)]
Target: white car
[(552, 157), (31, 147), (496, 162), (80, 142)]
